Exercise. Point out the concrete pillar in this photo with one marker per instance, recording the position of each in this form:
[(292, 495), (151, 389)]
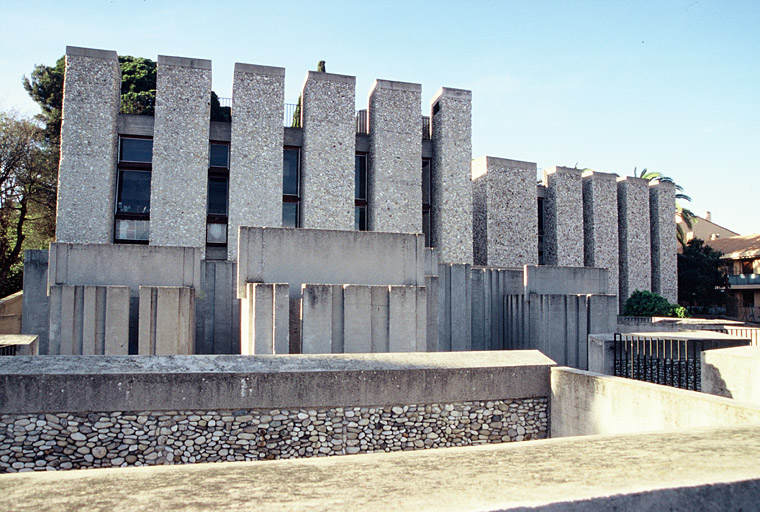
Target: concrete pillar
[(116, 341), (328, 153), (451, 209), (357, 318), (89, 143), (395, 156), (431, 315), (281, 318), (379, 319), (66, 305), (600, 225), (402, 319), (634, 237), (257, 320), (166, 320), (321, 329), (563, 217), (505, 224), (662, 199), (258, 96), (179, 180)]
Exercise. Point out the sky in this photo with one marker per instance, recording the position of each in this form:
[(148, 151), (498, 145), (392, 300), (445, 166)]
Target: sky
[(670, 85)]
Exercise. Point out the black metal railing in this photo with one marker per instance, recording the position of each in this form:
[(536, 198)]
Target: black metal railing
[(8, 350), (425, 127)]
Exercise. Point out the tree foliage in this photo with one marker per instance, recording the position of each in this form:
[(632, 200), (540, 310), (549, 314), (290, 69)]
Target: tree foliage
[(138, 85), (644, 303), (701, 277), (46, 89), (686, 214), (321, 68)]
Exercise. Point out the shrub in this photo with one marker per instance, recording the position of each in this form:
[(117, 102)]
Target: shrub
[(644, 303)]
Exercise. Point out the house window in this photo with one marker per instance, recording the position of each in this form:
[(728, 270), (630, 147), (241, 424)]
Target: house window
[(540, 230), (291, 186), (218, 194), (132, 215), (426, 196), (360, 192)]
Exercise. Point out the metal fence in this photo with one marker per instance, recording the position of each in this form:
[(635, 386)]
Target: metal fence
[(8, 350), (225, 102), (425, 127), (362, 122), (673, 362), (287, 120)]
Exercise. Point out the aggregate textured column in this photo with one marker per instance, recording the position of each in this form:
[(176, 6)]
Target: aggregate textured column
[(451, 208), (662, 198), (395, 154), (634, 237), (179, 180), (89, 143), (600, 225), (563, 217), (328, 153), (255, 192), (505, 225)]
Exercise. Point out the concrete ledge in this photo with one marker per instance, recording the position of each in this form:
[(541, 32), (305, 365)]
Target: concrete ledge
[(330, 77), (26, 344), (546, 279), (732, 373), (136, 383), (684, 471), (241, 67), (166, 60), (395, 86), (448, 92), (134, 124), (76, 51)]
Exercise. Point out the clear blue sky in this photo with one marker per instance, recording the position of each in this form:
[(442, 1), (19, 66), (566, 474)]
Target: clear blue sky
[(609, 85)]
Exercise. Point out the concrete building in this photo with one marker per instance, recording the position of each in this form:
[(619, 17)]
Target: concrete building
[(742, 259), (353, 232)]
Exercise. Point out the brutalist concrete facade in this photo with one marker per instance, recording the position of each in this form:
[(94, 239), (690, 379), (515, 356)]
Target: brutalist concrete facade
[(505, 225), (89, 144), (327, 162), (662, 198), (634, 237), (451, 230), (395, 153), (563, 217), (258, 94), (600, 225), (180, 152)]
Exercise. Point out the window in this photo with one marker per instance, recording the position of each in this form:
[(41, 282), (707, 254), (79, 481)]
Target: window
[(360, 192), (217, 197), (132, 216), (426, 201), (540, 230), (291, 183)]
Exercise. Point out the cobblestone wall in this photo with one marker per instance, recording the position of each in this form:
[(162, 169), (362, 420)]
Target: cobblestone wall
[(39, 442)]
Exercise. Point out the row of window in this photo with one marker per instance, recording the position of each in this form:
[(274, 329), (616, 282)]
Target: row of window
[(132, 217)]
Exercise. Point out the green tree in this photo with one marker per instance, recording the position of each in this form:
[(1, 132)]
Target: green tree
[(46, 89), (27, 195), (321, 68), (138, 85), (701, 276), (686, 214), (644, 303)]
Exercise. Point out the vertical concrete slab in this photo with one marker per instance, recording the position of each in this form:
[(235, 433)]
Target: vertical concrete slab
[(262, 318), (505, 225), (634, 237), (421, 318), (602, 316), (36, 303), (563, 217), (451, 208), (89, 143), (94, 321), (461, 308), (316, 319), (444, 308), (336, 342), (258, 96), (357, 319), (395, 156), (402, 319), (478, 309), (328, 152), (179, 179), (600, 225), (281, 312), (431, 317), (166, 320), (379, 319), (146, 342), (662, 198), (66, 319), (116, 336)]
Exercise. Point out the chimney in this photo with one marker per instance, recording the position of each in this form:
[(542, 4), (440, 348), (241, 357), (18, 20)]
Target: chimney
[(708, 217)]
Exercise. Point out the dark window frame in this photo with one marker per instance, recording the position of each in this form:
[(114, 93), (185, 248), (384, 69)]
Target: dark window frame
[(427, 224), (217, 172), (121, 167), (362, 202), (293, 198)]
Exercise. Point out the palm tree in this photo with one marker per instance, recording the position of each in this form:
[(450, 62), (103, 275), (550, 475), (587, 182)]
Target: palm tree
[(686, 214)]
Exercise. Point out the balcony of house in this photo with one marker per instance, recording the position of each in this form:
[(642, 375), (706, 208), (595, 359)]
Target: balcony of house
[(744, 281)]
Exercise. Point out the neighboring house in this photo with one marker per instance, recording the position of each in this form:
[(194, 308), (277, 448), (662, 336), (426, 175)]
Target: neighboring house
[(704, 228), (742, 256)]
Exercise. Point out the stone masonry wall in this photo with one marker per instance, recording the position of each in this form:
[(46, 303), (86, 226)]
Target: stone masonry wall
[(329, 149), (600, 225), (451, 185), (86, 186), (39, 442), (395, 157), (258, 94), (179, 179)]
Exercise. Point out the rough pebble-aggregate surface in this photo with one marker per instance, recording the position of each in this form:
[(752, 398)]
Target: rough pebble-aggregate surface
[(39, 442)]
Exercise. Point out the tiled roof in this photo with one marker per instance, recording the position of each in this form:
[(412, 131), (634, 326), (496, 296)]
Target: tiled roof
[(736, 247)]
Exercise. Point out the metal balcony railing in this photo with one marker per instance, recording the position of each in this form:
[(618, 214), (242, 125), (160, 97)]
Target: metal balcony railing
[(744, 279), (287, 119)]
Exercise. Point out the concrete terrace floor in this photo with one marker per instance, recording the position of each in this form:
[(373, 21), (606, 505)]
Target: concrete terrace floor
[(683, 470)]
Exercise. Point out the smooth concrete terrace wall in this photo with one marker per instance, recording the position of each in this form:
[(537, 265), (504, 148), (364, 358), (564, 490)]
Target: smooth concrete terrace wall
[(585, 403), (732, 373), (712, 470), (133, 383), (306, 256)]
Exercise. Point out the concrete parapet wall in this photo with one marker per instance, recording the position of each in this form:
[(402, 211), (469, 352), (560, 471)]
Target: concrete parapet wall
[(89, 145), (585, 403), (258, 95), (395, 156), (180, 152), (600, 225), (264, 328), (732, 373), (662, 197), (11, 308), (167, 320), (563, 217), (454, 307), (217, 319), (547, 279), (634, 237), (327, 160)]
